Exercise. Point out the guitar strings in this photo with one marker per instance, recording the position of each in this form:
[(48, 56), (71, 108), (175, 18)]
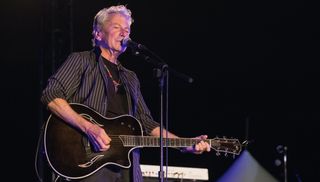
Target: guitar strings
[(139, 140)]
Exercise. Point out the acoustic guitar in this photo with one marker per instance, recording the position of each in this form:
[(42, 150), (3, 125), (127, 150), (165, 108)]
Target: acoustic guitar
[(70, 155)]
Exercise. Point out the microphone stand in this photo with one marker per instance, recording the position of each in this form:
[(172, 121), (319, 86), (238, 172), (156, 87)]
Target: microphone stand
[(161, 74), (285, 164), (161, 71), (283, 150)]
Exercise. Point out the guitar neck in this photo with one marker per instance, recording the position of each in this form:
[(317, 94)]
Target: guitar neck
[(231, 146), (150, 141)]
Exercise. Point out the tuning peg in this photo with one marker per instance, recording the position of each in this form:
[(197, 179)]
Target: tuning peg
[(234, 156), (245, 143), (217, 153), (226, 154)]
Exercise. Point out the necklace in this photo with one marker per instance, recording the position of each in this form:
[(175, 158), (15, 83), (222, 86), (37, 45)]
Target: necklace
[(115, 83)]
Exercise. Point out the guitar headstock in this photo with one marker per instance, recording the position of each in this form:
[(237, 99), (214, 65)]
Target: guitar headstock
[(226, 145)]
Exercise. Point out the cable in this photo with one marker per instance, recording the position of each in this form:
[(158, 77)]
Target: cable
[(37, 155)]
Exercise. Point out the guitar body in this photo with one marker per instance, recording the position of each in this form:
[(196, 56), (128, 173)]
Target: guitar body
[(69, 152)]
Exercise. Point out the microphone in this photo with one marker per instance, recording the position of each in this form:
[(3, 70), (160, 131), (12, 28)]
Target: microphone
[(154, 59), (130, 43)]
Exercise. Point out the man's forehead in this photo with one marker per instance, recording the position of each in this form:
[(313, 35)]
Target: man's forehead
[(118, 17)]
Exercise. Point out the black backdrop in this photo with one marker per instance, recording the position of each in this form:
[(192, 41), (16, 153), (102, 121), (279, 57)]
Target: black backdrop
[(254, 66)]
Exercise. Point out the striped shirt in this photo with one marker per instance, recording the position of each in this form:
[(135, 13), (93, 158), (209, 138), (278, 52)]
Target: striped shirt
[(82, 78)]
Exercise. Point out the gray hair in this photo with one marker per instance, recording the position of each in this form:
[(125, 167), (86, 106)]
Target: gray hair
[(104, 15)]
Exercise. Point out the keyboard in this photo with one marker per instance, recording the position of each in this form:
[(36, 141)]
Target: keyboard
[(176, 172)]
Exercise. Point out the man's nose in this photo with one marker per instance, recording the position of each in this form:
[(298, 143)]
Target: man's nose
[(124, 33)]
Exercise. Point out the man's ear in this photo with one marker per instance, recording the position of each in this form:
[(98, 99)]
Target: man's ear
[(98, 35)]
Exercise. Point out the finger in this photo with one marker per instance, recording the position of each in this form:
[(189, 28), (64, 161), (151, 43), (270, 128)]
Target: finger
[(208, 147), (103, 146), (199, 147), (204, 146), (204, 137), (106, 140), (196, 147), (199, 150), (105, 137), (107, 147)]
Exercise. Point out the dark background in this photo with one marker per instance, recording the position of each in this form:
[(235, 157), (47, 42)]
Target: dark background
[(254, 64)]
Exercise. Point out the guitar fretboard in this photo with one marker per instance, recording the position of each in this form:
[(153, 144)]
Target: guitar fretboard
[(149, 141)]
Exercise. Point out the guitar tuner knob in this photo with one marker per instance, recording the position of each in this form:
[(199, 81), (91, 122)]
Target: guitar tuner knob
[(226, 154), (217, 153)]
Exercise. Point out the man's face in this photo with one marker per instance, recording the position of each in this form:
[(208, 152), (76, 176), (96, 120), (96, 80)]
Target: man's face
[(114, 31)]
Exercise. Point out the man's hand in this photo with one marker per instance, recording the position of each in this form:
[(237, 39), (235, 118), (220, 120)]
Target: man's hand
[(200, 147), (98, 138)]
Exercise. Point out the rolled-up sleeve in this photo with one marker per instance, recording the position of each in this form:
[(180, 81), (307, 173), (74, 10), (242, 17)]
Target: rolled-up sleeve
[(144, 113), (63, 83)]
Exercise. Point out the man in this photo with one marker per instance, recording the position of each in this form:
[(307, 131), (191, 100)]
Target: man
[(97, 79)]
